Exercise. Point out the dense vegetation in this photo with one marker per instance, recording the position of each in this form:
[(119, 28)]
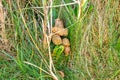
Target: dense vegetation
[(93, 31)]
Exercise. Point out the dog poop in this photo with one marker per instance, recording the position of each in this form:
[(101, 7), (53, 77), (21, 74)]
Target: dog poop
[(60, 31), (67, 51), (59, 36), (56, 39), (59, 23), (66, 42)]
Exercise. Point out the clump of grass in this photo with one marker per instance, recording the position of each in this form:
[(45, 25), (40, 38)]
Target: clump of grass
[(96, 57)]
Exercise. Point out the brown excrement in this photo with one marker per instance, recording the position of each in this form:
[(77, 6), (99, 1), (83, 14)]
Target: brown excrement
[(58, 32)]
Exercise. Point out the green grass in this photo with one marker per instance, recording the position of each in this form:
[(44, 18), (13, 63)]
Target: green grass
[(94, 38)]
